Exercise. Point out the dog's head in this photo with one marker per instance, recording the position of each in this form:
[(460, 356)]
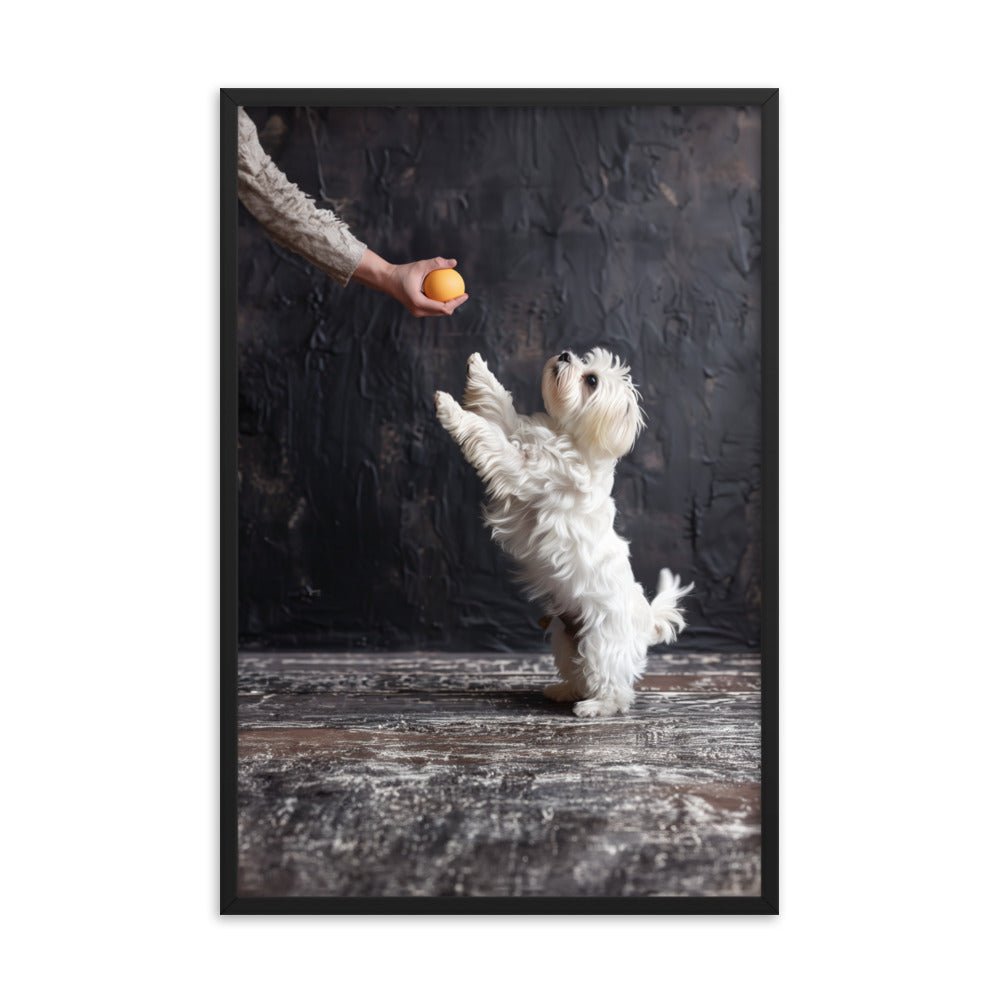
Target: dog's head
[(593, 400)]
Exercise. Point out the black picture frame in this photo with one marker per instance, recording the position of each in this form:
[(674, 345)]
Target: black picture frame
[(766, 99)]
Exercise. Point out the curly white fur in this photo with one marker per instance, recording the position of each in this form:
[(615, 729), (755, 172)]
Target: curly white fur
[(549, 478)]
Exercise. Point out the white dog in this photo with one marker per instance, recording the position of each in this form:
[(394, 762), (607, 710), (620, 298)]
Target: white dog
[(549, 482)]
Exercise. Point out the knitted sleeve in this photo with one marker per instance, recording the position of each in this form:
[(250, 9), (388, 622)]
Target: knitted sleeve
[(290, 218)]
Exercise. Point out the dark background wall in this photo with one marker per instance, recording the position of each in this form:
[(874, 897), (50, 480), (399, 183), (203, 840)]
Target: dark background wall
[(637, 229)]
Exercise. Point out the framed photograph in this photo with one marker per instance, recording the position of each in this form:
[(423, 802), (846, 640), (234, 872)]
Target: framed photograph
[(499, 468)]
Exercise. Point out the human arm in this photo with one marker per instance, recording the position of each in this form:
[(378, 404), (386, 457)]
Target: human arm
[(290, 218), (293, 221)]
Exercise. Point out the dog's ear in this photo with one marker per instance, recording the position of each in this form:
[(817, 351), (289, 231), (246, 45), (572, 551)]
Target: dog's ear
[(631, 422), (617, 420)]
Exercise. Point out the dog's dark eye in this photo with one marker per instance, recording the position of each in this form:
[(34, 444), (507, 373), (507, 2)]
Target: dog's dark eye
[(591, 380)]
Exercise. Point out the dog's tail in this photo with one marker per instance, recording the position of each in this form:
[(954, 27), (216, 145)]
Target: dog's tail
[(668, 619)]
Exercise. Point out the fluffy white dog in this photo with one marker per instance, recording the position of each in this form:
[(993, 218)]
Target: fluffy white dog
[(549, 480)]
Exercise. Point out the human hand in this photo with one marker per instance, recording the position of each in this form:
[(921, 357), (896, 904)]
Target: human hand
[(405, 282)]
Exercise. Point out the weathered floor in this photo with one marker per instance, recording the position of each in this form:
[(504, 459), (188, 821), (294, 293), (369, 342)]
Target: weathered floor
[(444, 775)]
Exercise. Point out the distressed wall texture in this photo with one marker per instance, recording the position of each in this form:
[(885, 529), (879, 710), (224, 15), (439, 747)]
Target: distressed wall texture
[(637, 229)]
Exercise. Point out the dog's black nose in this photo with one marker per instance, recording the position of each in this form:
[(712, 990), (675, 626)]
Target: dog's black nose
[(564, 356)]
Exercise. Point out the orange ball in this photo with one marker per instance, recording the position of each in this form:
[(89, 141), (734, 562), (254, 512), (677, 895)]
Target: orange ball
[(444, 284)]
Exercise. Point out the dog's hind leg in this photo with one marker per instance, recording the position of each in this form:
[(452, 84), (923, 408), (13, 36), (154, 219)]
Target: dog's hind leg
[(609, 667), (564, 651)]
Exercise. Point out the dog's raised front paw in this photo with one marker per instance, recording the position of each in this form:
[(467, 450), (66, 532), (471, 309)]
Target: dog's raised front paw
[(448, 411), (485, 395), (478, 375)]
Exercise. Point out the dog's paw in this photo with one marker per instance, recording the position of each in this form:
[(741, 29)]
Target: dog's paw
[(479, 377), (563, 691), (448, 411), (592, 708)]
